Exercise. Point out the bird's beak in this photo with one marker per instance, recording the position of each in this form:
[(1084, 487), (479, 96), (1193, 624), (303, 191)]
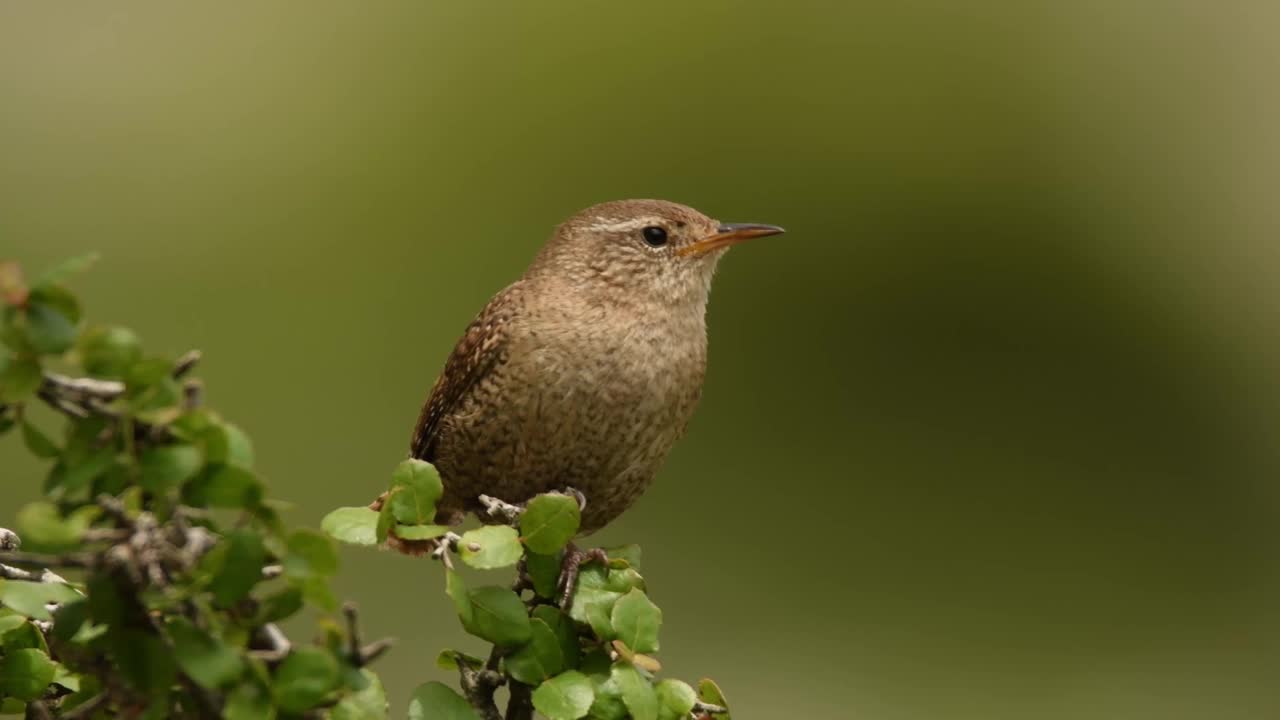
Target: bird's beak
[(729, 234)]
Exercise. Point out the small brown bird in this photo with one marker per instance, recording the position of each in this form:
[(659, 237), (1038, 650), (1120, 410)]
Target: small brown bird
[(583, 373)]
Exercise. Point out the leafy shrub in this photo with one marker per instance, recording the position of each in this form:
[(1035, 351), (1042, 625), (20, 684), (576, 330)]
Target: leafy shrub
[(180, 568)]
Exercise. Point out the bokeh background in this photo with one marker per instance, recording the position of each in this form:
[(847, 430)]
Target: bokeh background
[(991, 433)]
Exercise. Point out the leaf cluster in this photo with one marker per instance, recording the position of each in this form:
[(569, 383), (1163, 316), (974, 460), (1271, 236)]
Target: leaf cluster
[(180, 567), (587, 653)]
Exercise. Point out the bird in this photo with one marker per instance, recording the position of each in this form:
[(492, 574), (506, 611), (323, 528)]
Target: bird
[(581, 375)]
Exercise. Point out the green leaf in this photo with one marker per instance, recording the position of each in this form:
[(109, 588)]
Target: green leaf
[(64, 270), (539, 659), (436, 701), (30, 598), (369, 703), (168, 467), (637, 693), (386, 519), (544, 571), (279, 606), (304, 679), (77, 469), (37, 442), (107, 598), (565, 632), (69, 618), (64, 677), (224, 486), (10, 620), (709, 692), (210, 662), (599, 618), (109, 352), (608, 704), (498, 616), (489, 547), (143, 659), (43, 528), (20, 377), (457, 591), (227, 444), (624, 556), (148, 371), (636, 620), (242, 566), (567, 696), (49, 330), (316, 591), (601, 587), (248, 701), (675, 699), (420, 488), (310, 554), (420, 532), (25, 674), (355, 525), (452, 659), (24, 636), (549, 522)]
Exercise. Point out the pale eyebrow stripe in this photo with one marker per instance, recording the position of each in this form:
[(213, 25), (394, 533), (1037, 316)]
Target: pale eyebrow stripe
[(619, 226)]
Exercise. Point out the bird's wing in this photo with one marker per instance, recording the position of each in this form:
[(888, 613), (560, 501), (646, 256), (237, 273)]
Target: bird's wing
[(476, 353)]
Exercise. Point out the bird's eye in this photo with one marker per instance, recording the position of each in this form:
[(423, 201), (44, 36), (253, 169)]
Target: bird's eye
[(654, 236)]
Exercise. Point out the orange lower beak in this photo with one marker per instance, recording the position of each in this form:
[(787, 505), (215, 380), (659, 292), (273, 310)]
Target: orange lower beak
[(729, 234)]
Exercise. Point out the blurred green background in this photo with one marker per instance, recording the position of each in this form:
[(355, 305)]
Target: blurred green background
[(990, 433)]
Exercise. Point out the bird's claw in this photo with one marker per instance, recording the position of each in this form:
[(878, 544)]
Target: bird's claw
[(573, 561), (576, 495)]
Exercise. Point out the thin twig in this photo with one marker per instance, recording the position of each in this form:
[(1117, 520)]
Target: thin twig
[(83, 388), (360, 654), (186, 363), (88, 707), (12, 573), (446, 544), (46, 560), (350, 612), (375, 650), (192, 394), (278, 646)]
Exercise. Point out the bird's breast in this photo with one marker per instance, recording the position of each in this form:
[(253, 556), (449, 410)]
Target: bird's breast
[(592, 404)]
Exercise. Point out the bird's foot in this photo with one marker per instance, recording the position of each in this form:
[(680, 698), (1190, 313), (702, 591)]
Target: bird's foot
[(573, 561), (576, 495), (501, 509)]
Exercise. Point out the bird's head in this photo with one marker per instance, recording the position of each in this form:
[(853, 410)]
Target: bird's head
[(643, 250)]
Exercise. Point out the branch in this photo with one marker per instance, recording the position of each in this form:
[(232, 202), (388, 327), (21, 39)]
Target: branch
[(85, 396), (479, 686), (520, 706), (360, 654), (87, 708), (43, 560)]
